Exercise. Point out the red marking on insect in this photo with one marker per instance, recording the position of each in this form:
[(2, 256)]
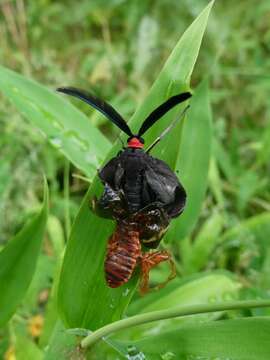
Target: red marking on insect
[(134, 142)]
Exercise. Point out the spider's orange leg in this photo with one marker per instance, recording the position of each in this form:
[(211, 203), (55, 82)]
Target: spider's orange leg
[(150, 260)]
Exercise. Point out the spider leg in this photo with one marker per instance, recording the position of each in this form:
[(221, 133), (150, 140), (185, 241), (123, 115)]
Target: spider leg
[(110, 205), (150, 260)]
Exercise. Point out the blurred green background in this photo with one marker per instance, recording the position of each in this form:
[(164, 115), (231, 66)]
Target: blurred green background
[(116, 48)]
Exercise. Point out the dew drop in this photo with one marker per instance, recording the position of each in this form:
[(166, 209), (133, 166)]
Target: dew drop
[(227, 296), (134, 353), (33, 105), (112, 306), (91, 159), (77, 140), (126, 292), (168, 356), (52, 119), (57, 125), (212, 299), (56, 142)]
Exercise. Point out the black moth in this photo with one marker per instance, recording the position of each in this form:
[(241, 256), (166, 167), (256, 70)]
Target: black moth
[(140, 192)]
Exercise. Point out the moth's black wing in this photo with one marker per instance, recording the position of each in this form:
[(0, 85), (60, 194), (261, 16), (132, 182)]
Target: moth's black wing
[(112, 203), (112, 173), (163, 186)]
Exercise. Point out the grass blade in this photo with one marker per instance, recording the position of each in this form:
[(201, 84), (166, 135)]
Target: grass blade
[(193, 161), (18, 262), (68, 129)]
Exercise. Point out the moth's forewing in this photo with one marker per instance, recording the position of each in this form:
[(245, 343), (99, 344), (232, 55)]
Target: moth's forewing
[(162, 181)]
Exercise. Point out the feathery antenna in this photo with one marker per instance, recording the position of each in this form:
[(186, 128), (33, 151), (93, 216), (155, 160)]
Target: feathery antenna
[(162, 110), (102, 106)]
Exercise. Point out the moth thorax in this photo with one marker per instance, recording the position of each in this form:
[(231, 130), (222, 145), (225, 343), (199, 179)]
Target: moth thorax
[(135, 142)]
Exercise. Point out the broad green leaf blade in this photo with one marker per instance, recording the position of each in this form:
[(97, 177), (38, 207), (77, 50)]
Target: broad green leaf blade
[(173, 79), (51, 317), (62, 345), (18, 262), (84, 299), (67, 128), (206, 289), (193, 161), (240, 339), (202, 288)]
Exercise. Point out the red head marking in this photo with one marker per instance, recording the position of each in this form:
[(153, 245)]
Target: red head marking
[(135, 143)]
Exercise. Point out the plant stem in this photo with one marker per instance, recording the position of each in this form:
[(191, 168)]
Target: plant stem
[(167, 314)]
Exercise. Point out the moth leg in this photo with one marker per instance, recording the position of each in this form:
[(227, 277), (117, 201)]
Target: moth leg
[(149, 261), (153, 222), (110, 205), (98, 209)]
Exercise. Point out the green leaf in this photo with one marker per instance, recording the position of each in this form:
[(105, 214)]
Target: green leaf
[(69, 130), (18, 262), (202, 288), (193, 161), (241, 339), (62, 345), (174, 78), (255, 229), (51, 314), (26, 349), (215, 183), (84, 299), (41, 280), (56, 235), (201, 248), (205, 289)]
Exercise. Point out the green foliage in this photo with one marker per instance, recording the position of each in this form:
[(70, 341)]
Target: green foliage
[(207, 289), (193, 160), (65, 126), (18, 262), (239, 339), (117, 49)]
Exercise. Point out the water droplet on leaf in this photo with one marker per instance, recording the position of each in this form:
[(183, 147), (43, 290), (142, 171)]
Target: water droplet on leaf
[(56, 142), (134, 353), (168, 356), (126, 292), (76, 139)]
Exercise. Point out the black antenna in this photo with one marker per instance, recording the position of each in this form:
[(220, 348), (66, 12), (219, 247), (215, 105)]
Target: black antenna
[(98, 104), (162, 110), (171, 126)]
